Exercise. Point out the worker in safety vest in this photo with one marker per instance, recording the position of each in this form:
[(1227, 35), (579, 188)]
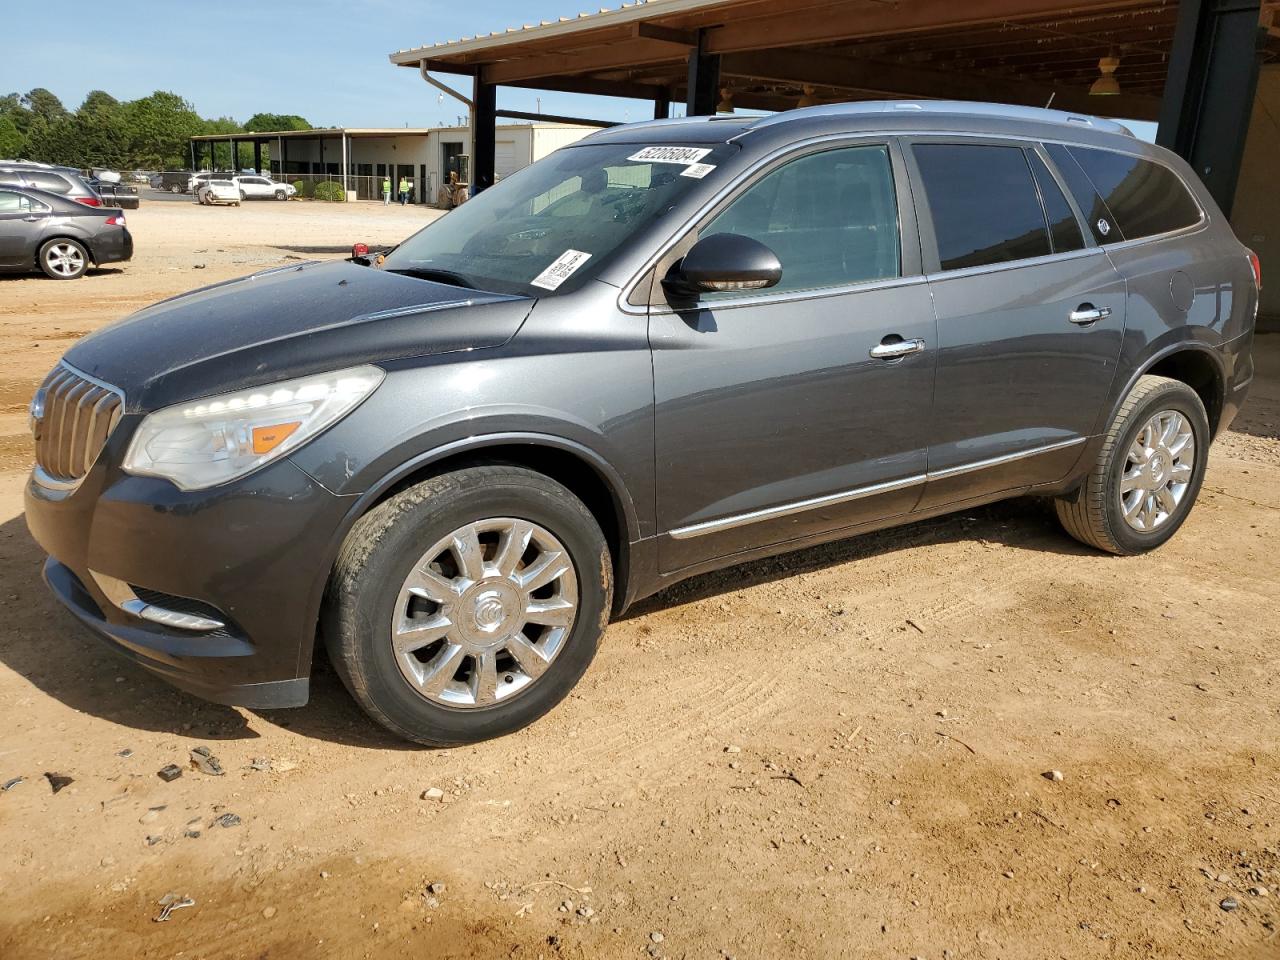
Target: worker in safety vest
[(386, 191), (405, 187)]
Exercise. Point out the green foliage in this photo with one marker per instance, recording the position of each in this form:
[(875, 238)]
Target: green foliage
[(11, 139), (264, 122), (330, 190), (303, 188), (150, 133)]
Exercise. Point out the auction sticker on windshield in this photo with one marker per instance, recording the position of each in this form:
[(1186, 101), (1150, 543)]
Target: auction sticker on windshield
[(684, 155), (561, 270)]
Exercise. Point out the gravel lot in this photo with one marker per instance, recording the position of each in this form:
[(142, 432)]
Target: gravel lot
[(836, 753)]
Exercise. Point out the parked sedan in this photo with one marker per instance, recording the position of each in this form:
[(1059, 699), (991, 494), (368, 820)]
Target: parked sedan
[(42, 230), (263, 188)]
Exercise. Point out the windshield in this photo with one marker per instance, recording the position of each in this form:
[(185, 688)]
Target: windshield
[(553, 225)]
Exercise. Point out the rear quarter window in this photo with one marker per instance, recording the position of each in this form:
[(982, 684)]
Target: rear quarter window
[(1137, 198), (49, 181)]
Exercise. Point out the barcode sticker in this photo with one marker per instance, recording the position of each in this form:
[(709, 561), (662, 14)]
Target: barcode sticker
[(697, 170), (561, 270), (684, 155)]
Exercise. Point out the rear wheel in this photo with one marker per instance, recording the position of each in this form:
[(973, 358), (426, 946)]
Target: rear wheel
[(1147, 474), (243, 195), (175, 189), (63, 259), (469, 605)]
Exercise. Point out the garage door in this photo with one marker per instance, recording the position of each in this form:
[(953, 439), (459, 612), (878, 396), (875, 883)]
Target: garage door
[(504, 158)]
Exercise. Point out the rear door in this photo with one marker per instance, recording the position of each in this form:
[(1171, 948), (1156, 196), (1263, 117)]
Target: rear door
[(787, 413), (1030, 317)]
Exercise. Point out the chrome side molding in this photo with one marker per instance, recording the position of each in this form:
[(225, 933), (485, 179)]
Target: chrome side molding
[(800, 506)]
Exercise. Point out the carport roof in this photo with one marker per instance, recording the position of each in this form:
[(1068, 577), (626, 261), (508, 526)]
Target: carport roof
[(1015, 51)]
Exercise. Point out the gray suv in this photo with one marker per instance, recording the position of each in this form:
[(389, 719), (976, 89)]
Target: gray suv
[(671, 347)]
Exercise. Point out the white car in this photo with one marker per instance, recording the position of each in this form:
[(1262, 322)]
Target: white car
[(263, 188), (218, 191)]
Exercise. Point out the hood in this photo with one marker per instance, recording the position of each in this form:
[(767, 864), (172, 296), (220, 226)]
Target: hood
[(289, 322)]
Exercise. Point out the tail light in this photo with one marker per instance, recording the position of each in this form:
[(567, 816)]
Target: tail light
[(1256, 264), (116, 221), (89, 201)]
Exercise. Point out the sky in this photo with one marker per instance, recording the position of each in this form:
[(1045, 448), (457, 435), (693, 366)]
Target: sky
[(323, 59)]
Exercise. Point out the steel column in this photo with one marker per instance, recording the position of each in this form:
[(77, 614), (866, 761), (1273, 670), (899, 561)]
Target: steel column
[(484, 135), (704, 81), (1210, 87)]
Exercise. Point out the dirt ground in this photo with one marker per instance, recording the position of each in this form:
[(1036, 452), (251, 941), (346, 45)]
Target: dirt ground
[(836, 753)]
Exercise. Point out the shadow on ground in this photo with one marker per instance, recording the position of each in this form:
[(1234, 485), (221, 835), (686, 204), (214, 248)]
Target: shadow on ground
[(49, 648)]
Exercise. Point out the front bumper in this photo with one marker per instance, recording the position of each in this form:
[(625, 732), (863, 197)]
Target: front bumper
[(256, 551)]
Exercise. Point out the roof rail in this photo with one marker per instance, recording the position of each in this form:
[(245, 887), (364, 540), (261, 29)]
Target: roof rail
[(952, 107)]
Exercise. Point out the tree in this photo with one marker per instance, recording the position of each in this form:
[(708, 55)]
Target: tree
[(12, 142), (44, 105), (264, 122)]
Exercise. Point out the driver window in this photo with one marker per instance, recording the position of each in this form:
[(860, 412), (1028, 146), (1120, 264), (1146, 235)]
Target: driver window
[(831, 218)]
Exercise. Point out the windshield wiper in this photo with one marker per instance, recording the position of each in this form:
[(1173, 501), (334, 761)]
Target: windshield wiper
[(434, 273)]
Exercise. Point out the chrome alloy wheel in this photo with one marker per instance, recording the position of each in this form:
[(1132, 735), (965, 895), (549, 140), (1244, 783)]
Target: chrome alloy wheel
[(1157, 470), (484, 612), (64, 259)]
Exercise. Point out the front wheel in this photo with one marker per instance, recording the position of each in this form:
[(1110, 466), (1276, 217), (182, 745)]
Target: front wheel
[(1147, 474), (175, 189), (486, 629), (280, 195), (243, 195), (64, 259)]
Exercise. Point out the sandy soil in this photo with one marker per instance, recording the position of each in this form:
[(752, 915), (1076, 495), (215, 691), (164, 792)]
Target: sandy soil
[(837, 753)]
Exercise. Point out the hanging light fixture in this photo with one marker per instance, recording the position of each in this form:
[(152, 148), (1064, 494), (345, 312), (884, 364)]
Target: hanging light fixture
[(1106, 85), (726, 101), (808, 100)]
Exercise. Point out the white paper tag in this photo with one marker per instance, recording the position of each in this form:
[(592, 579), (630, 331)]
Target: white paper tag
[(697, 170), (684, 155), (561, 270)]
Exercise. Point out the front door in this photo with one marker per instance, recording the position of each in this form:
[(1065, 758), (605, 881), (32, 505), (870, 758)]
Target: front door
[(20, 228), (791, 412), (1030, 319)]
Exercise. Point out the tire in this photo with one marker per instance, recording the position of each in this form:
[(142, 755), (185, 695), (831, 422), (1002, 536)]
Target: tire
[(280, 195), (243, 195), (175, 189), (1138, 469), (63, 259), (369, 600), (236, 204)]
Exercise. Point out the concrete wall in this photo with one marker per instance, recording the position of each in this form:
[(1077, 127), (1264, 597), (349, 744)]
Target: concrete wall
[(1256, 211)]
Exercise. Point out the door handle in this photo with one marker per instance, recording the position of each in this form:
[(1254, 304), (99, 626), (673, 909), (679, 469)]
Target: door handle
[(888, 349), (1087, 313)]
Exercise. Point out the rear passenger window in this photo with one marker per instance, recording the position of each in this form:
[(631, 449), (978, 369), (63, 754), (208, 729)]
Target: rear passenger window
[(1064, 230), (49, 181), (831, 218), (983, 202), (1145, 198)]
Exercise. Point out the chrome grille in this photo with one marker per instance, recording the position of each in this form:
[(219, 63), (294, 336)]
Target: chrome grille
[(71, 418)]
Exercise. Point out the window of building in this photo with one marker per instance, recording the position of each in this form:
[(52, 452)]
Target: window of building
[(831, 218), (983, 202)]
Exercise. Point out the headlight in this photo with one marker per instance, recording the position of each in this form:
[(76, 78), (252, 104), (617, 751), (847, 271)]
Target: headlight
[(211, 441)]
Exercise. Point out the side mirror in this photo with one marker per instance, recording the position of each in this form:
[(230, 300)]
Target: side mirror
[(724, 261)]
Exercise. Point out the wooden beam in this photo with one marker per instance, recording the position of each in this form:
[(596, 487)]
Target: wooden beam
[(597, 87), (628, 53), (846, 21), (893, 79), (654, 31)]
